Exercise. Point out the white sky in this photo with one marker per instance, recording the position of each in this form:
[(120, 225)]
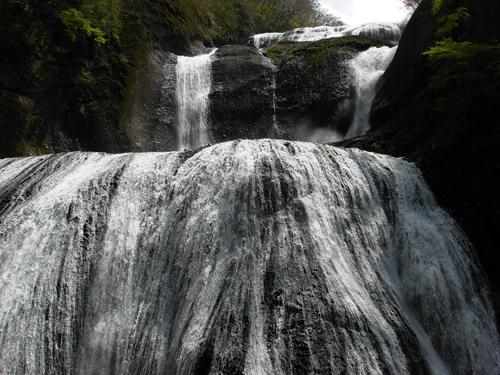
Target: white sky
[(356, 12)]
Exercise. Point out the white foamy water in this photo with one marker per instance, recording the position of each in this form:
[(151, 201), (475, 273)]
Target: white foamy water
[(255, 257), (367, 68), (194, 81), (389, 31)]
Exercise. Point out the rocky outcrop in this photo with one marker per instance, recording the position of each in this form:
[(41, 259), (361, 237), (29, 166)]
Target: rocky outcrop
[(292, 90), (313, 90), (408, 73), (150, 120), (241, 99), (314, 86)]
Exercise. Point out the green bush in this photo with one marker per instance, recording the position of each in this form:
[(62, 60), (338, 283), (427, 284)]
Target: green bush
[(76, 22)]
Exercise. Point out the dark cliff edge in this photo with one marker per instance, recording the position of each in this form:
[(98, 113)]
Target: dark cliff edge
[(441, 110)]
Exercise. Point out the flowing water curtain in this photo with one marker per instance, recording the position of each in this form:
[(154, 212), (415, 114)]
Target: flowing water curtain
[(389, 31), (194, 81), (262, 257)]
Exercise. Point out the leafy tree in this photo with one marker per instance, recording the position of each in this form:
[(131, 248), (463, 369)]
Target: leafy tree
[(322, 17), (464, 70), (76, 22), (233, 17)]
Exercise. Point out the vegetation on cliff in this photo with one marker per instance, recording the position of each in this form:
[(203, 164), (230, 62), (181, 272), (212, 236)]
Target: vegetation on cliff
[(237, 17), (68, 68)]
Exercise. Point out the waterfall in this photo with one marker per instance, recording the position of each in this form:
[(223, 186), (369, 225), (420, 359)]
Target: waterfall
[(194, 81), (265, 39), (367, 68), (254, 257), (389, 31)]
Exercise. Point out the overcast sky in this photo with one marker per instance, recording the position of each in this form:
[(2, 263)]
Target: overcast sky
[(355, 12)]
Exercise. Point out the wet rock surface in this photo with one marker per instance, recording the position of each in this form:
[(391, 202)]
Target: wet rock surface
[(241, 100), (150, 120), (286, 91)]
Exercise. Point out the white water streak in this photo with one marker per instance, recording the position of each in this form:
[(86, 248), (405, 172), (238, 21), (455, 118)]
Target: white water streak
[(389, 31), (194, 81), (367, 68)]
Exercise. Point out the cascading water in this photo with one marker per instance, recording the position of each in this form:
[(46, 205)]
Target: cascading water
[(367, 68), (194, 81), (254, 257), (389, 31)]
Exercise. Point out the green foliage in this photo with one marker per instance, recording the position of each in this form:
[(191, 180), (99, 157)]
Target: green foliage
[(438, 5), (465, 73), (459, 53), (236, 17), (464, 67), (450, 21), (104, 14), (76, 22)]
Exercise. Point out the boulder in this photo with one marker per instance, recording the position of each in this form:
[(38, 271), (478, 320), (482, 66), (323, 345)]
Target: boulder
[(241, 99)]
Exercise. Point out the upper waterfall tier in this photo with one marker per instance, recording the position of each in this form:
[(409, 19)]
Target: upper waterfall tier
[(389, 31), (254, 257)]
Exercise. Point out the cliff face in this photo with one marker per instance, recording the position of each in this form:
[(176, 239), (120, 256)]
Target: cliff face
[(441, 110), (150, 119), (69, 71), (241, 98), (292, 90), (315, 86)]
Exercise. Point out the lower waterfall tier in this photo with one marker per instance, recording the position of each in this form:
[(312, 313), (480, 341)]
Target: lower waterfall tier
[(247, 257)]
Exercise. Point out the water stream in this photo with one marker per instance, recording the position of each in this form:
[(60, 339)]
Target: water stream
[(389, 31), (367, 68), (194, 81)]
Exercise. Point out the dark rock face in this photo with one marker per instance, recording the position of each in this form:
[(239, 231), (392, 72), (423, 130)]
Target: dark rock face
[(150, 120), (241, 100), (289, 91), (408, 72), (313, 90)]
